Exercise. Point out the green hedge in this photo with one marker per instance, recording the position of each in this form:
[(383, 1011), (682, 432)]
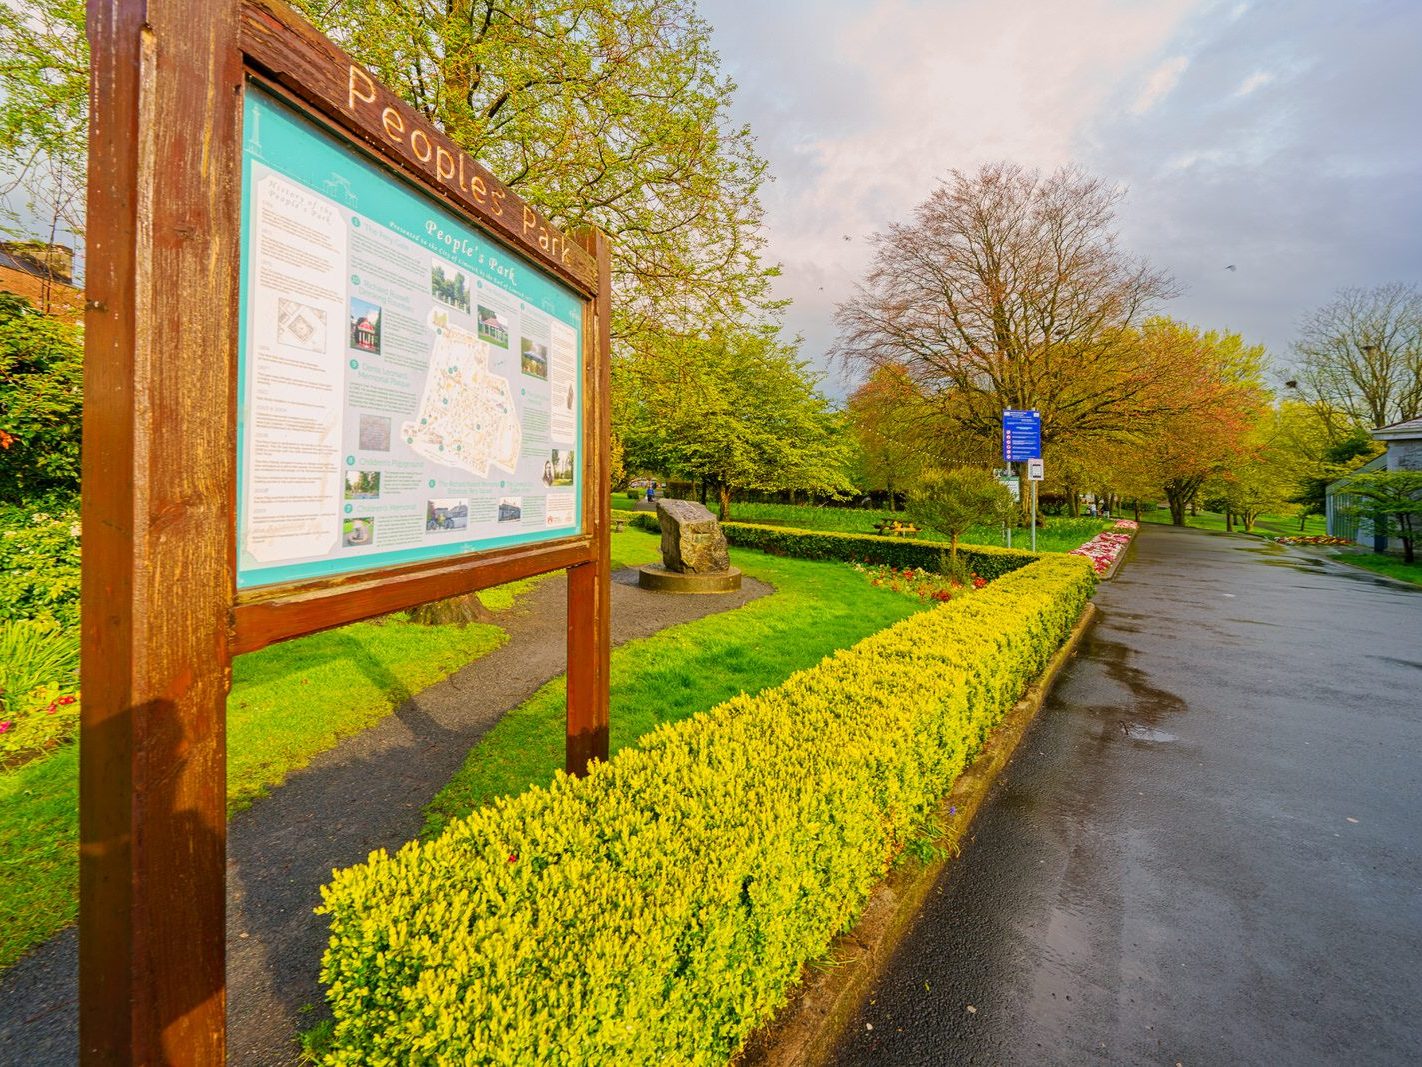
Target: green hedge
[(983, 560), (662, 908)]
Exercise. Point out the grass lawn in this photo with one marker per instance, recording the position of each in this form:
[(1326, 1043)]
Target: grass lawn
[(1389, 566), (288, 703), (816, 609), (1267, 525), (1061, 534)]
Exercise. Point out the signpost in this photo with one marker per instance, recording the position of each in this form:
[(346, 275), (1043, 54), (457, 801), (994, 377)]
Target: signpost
[(1022, 443), (334, 369)]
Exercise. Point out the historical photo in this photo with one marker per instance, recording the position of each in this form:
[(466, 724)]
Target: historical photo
[(362, 485), (510, 508), (446, 514), (534, 361), (365, 325), (493, 327), (358, 533), (449, 285), (561, 461)]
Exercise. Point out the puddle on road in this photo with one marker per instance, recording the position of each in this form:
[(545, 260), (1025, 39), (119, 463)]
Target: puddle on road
[(1136, 731)]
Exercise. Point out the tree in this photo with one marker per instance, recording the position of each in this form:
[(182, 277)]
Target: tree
[(1218, 402), (41, 399), (950, 501), (44, 116), (1392, 502), (610, 112), (737, 411), (886, 416), (1006, 289), (1360, 357)]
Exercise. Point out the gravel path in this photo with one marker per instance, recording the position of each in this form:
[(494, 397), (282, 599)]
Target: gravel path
[(365, 794)]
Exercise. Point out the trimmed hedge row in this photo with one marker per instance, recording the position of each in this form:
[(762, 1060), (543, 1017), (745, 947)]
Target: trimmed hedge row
[(985, 561), (660, 909)]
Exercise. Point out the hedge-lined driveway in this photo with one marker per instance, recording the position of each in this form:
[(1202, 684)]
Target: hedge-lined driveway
[(1208, 848)]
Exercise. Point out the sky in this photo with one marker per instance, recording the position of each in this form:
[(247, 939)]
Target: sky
[(1282, 138)]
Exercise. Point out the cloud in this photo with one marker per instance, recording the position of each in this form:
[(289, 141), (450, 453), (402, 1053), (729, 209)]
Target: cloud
[(862, 108), (1160, 83), (1257, 80)]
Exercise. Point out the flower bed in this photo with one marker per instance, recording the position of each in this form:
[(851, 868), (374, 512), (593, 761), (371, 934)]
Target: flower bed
[(926, 585), (661, 908), (1108, 546), (1313, 539)]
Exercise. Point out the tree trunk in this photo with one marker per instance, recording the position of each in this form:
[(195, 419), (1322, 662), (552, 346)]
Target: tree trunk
[(1303, 519), (1229, 520), (457, 610), (1407, 556), (723, 494), (953, 547)]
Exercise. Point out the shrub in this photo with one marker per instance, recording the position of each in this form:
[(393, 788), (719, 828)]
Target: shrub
[(39, 564), (41, 398), (661, 908), (39, 689), (898, 552)]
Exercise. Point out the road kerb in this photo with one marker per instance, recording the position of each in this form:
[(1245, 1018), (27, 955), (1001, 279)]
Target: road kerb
[(806, 1030)]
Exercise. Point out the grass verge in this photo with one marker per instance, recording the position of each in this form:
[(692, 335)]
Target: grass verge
[(1265, 525), (1388, 566), (288, 703), (816, 609), (1061, 533)]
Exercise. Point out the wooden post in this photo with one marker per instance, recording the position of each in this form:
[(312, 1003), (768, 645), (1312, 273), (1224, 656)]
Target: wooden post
[(590, 584), (158, 538)]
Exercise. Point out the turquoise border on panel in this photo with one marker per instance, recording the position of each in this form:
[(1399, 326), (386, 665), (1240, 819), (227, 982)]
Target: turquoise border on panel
[(279, 138)]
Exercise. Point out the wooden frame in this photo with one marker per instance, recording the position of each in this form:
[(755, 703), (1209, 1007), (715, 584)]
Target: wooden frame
[(161, 616)]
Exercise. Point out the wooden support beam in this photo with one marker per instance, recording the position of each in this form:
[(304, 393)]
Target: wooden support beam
[(590, 584), (159, 474)]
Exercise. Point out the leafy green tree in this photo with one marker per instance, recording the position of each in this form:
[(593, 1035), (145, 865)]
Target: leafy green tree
[(737, 411), (41, 400), (1392, 502), (44, 115), (611, 112), (950, 501)]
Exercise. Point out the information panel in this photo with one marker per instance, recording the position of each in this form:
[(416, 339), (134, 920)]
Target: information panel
[(408, 389), (1021, 435)]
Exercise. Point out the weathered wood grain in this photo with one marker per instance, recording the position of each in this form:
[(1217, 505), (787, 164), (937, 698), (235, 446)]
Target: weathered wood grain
[(159, 466), (589, 584)]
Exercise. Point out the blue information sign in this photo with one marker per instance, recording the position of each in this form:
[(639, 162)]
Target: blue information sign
[(1021, 435)]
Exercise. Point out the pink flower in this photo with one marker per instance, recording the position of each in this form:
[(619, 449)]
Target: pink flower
[(5, 726)]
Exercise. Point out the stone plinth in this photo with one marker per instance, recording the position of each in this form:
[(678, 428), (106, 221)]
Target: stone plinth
[(658, 578)]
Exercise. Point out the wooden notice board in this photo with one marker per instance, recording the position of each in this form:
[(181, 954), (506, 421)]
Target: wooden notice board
[(335, 369)]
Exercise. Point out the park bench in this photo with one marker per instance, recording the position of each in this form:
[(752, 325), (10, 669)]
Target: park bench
[(896, 529)]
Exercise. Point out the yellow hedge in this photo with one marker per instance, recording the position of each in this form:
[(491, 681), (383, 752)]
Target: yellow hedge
[(660, 909)]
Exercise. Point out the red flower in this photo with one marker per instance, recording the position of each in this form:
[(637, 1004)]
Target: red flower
[(66, 700), (513, 857)]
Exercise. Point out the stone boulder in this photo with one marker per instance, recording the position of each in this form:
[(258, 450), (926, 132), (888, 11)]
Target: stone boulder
[(692, 541)]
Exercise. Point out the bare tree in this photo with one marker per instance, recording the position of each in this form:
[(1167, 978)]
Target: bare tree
[(1007, 289), (1360, 357)]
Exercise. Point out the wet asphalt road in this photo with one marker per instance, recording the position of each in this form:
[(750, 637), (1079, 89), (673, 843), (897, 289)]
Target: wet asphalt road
[(1208, 850)]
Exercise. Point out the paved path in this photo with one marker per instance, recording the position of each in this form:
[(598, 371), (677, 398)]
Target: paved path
[(367, 793), (1208, 849)]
